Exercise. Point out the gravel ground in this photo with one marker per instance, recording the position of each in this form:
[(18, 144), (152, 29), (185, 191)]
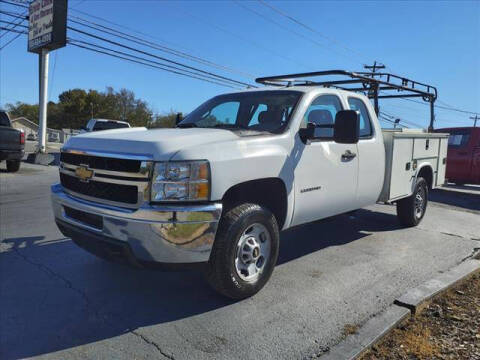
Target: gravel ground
[(449, 328)]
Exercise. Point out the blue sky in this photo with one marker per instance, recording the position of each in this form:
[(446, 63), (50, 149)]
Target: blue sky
[(433, 42)]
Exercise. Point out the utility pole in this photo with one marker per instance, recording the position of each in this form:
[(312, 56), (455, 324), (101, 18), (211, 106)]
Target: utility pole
[(373, 91), (374, 67), (47, 31), (43, 86), (475, 119), (91, 110)]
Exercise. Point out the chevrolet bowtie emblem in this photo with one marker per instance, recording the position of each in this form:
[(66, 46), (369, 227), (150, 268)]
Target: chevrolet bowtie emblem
[(84, 173)]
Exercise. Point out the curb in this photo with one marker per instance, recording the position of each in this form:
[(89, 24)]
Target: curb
[(369, 334), (417, 298), (410, 303)]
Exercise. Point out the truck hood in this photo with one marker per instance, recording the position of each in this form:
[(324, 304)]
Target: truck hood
[(161, 144)]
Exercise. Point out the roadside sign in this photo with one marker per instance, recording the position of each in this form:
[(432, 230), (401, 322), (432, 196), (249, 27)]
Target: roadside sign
[(47, 28)]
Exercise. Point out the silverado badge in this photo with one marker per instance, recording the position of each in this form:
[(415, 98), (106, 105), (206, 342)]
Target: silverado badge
[(83, 173)]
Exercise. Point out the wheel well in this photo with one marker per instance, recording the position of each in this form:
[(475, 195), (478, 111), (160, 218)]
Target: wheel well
[(426, 173), (269, 192)]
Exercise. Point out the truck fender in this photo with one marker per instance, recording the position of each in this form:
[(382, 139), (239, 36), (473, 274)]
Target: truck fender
[(425, 169)]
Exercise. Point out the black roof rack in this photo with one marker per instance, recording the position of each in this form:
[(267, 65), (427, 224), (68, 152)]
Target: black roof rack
[(375, 85)]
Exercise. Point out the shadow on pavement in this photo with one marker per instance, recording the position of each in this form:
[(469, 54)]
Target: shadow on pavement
[(465, 200), (56, 296)]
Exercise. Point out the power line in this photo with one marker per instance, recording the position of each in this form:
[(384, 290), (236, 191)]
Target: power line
[(15, 4), (13, 30), (150, 65), (445, 107), (323, 46), (12, 40), (159, 57), (178, 52), (12, 23), (156, 46), (16, 24), (181, 67), (164, 66), (403, 120), (309, 28), (252, 42)]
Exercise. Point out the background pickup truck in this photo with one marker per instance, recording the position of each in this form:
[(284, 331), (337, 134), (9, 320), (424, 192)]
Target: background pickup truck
[(216, 190), (12, 143), (463, 164)]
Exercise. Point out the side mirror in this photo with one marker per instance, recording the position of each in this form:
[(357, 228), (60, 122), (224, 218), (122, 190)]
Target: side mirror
[(179, 118), (307, 133), (347, 127)]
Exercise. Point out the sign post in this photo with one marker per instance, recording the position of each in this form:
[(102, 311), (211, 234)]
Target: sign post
[(47, 31)]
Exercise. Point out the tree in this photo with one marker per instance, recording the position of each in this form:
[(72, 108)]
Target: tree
[(76, 106), (20, 109), (167, 120)]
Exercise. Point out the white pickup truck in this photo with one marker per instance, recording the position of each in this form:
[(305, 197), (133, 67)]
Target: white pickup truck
[(216, 190)]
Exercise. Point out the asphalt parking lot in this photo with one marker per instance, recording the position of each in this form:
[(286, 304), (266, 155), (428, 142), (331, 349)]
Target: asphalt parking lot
[(59, 302)]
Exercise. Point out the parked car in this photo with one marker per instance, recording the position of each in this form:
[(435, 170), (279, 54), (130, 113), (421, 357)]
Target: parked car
[(12, 143), (104, 124), (463, 164), (217, 190), (53, 137), (31, 137)]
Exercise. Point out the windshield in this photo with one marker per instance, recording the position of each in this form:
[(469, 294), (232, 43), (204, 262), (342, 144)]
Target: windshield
[(257, 111), (107, 125)]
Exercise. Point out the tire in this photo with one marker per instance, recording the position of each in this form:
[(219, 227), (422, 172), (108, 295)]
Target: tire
[(245, 251), (411, 210), (13, 165)]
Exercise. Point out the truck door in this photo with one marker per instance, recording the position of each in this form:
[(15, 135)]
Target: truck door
[(459, 158), (326, 172), (371, 151)]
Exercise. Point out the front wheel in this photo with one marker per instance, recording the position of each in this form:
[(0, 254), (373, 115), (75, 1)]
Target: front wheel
[(410, 211), (245, 251)]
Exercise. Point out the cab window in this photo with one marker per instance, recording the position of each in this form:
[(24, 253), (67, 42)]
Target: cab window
[(365, 123), (458, 138), (321, 113)]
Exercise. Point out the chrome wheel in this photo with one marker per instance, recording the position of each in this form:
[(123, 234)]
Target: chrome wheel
[(253, 252), (420, 202)]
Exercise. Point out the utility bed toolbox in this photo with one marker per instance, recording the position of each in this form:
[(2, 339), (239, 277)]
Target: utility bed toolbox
[(407, 151)]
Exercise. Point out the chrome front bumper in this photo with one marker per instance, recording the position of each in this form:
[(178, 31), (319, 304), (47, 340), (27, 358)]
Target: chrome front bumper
[(165, 234)]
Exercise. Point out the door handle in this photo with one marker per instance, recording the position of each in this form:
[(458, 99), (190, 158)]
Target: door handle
[(348, 155)]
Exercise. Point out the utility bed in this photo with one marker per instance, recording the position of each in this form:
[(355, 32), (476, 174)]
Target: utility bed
[(406, 152)]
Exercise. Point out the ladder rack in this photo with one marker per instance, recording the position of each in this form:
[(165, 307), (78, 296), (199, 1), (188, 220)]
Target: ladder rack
[(375, 85)]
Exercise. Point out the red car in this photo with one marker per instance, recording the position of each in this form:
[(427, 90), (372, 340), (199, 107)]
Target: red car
[(463, 159)]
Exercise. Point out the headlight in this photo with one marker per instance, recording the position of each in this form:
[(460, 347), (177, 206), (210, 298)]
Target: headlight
[(181, 180)]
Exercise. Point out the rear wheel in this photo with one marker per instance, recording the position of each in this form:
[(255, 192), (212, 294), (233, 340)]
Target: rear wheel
[(13, 165), (245, 251), (410, 211)]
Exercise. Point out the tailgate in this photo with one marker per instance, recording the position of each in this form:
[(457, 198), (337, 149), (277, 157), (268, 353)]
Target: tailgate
[(10, 139)]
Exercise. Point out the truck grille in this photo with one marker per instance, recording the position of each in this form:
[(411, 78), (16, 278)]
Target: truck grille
[(102, 163), (103, 179), (101, 190)]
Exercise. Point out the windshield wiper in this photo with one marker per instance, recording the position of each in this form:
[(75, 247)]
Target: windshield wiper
[(187, 125)]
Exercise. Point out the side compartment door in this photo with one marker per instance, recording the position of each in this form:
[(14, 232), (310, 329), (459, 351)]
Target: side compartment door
[(325, 180)]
